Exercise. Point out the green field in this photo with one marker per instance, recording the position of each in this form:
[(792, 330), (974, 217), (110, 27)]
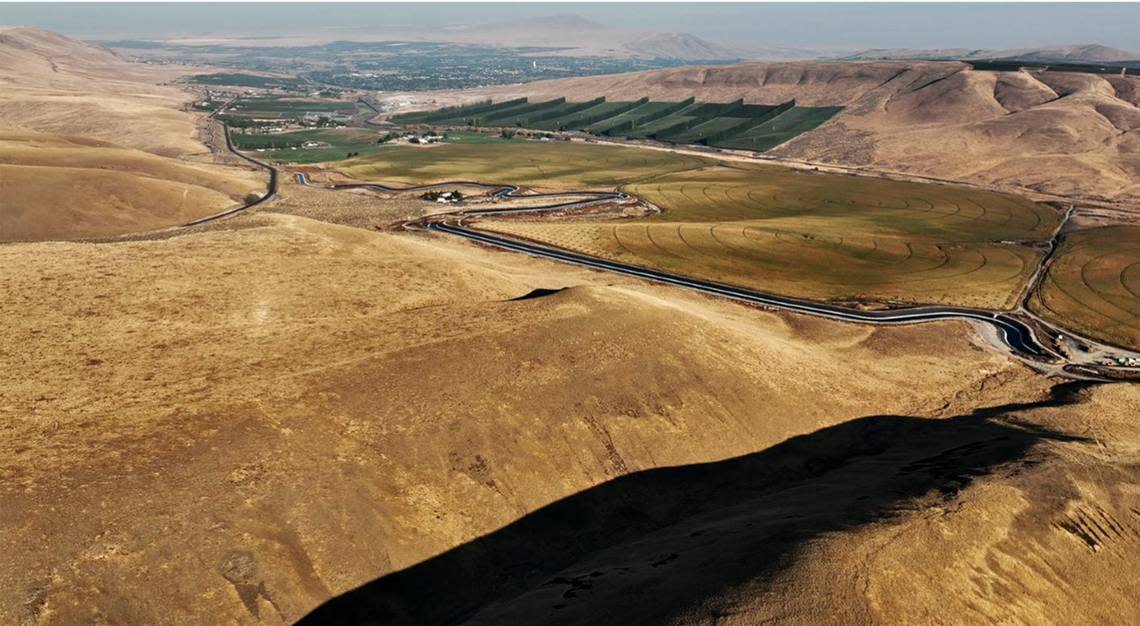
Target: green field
[(473, 114), (779, 129), (704, 130), (650, 129), (340, 141), (1093, 286), (585, 117), (454, 137), (736, 125), (818, 235), (807, 234), (243, 110), (248, 80), (648, 109), (533, 163), (289, 147)]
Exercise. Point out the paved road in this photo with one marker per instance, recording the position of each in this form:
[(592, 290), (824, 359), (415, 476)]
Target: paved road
[(1018, 336), (270, 187), (1013, 332)]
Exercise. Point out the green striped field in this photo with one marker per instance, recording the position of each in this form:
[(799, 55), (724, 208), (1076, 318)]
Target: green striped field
[(737, 125)]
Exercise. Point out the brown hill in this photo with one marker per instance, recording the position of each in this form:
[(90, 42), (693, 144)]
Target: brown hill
[(1079, 53), (93, 146), (1055, 132), (54, 186), (253, 434)]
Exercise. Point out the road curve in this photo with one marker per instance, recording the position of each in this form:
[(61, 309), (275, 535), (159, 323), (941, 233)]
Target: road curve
[(270, 186), (1017, 335)]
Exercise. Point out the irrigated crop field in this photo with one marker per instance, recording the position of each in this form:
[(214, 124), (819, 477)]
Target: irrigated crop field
[(551, 165), (1094, 284), (779, 129), (820, 236), (807, 234), (241, 79), (333, 144), (246, 111), (736, 125)]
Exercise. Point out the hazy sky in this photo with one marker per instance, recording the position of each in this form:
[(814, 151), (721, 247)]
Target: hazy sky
[(821, 25)]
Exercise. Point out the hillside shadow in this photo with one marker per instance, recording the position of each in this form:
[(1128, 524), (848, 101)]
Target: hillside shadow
[(537, 293), (645, 546)]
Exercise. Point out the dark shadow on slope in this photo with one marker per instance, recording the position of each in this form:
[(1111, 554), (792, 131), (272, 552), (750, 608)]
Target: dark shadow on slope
[(536, 293), (643, 547)]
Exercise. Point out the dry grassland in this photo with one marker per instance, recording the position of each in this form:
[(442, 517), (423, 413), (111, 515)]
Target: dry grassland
[(240, 423), (91, 146), (198, 432), (66, 188)]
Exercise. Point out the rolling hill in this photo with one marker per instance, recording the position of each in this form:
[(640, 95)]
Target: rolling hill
[(280, 418), (291, 413), (1080, 53), (93, 146), (1057, 132)]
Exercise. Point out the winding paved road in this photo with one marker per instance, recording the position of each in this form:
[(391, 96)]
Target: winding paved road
[(270, 186), (1017, 335), (1014, 333)]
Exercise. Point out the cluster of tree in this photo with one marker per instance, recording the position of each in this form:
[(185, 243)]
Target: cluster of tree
[(270, 145), (446, 196), (540, 134)]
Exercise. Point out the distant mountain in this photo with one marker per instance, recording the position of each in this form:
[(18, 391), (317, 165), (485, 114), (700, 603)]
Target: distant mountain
[(567, 34), (579, 36), (19, 46), (1088, 53), (1082, 53), (679, 46), (31, 56), (561, 22)]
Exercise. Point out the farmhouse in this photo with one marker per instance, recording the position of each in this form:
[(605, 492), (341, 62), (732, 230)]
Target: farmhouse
[(443, 197)]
